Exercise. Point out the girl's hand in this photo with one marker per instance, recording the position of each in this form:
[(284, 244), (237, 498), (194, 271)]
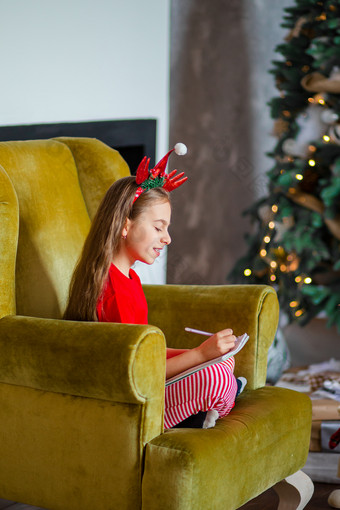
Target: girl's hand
[(216, 345)]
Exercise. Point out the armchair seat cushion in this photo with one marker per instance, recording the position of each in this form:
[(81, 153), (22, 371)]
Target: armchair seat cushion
[(259, 442)]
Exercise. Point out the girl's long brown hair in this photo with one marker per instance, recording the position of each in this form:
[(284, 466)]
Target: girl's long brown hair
[(102, 242)]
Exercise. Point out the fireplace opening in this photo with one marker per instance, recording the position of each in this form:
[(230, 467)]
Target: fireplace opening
[(133, 138)]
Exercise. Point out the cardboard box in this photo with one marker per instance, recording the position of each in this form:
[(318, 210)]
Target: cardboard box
[(325, 409)]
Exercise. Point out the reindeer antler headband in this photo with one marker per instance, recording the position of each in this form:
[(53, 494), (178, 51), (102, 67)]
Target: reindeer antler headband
[(156, 177)]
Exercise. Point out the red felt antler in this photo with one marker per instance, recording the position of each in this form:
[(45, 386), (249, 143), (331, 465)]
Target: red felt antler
[(173, 181), (143, 170)]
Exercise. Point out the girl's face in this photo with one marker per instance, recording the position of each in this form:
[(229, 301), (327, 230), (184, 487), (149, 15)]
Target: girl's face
[(147, 235)]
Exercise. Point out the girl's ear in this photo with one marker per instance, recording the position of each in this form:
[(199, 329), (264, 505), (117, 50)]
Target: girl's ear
[(126, 227)]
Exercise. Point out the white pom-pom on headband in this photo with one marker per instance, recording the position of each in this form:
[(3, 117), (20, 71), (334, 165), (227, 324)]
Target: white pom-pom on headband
[(156, 177), (180, 149)]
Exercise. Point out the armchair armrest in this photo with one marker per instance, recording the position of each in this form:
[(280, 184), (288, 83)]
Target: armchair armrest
[(251, 309), (118, 362)]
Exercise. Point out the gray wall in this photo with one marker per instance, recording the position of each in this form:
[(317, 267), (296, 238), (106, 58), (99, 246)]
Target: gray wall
[(220, 54)]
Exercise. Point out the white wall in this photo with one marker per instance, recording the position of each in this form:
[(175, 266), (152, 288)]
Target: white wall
[(82, 60)]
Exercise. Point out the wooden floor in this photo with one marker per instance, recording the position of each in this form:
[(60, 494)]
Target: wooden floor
[(267, 501)]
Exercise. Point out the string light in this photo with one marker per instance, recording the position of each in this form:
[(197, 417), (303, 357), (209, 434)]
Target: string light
[(299, 177), (275, 208), (247, 272), (271, 224), (305, 68), (298, 279), (263, 252), (266, 239), (283, 268), (326, 138), (311, 99), (273, 264), (286, 113), (293, 304), (311, 148), (298, 313), (272, 277), (311, 162), (307, 280)]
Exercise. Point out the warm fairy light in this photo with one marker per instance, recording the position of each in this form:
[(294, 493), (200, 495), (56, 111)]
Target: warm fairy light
[(263, 252), (286, 113), (311, 99), (272, 277), (283, 268), (298, 313), (322, 17), (275, 208), (311, 148), (299, 177), (305, 68), (298, 279), (247, 272), (307, 280), (290, 257), (321, 100), (273, 264), (326, 138), (266, 239), (293, 304), (271, 224), (311, 162)]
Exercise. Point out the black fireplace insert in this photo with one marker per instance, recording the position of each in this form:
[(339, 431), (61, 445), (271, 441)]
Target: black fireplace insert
[(133, 138)]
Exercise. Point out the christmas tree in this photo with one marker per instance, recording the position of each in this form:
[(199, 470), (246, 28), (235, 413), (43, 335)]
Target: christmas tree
[(295, 245)]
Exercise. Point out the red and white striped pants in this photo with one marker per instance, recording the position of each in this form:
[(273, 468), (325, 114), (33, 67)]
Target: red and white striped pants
[(214, 387)]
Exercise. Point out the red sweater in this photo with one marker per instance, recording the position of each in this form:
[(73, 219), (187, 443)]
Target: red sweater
[(122, 299)]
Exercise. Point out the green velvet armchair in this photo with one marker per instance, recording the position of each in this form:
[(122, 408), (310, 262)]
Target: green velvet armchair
[(82, 403)]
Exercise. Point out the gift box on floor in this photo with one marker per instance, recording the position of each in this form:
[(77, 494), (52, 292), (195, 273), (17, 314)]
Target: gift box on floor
[(326, 417), (322, 462), (323, 467), (321, 434), (328, 428), (325, 409)]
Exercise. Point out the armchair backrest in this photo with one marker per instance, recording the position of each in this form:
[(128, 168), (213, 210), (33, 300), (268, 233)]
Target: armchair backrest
[(49, 192)]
